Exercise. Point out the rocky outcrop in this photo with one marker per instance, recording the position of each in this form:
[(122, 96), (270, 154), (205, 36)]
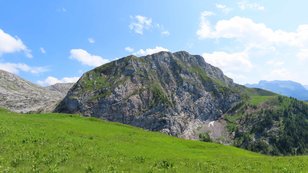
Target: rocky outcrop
[(175, 93), (19, 95), (61, 88)]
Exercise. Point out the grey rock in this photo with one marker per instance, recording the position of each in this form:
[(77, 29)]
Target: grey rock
[(19, 95), (61, 88), (175, 93)]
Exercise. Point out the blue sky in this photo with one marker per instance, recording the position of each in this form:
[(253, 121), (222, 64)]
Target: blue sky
[(57, 41)]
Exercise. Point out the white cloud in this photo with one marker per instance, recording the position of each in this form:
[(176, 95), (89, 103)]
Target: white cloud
[(129, 49), (251, 33), (10, 44), (205, 27), (229, 62), (91, 40), (242, 78), (243, 5), (282, 52), (140, 23), (165, 33), (62, 9), (240, 28), (150, 51), (234, 65), (302, 54), (43, 51), (50, 80), (86, 58), (223, 8), (280, 74), (17, 67), (275, 62)]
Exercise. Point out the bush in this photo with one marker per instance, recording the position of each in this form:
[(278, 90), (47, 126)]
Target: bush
[(205, 137)]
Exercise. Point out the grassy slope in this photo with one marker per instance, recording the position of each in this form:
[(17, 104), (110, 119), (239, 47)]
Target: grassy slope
[(258, 96), (257, 100), (63, 143)]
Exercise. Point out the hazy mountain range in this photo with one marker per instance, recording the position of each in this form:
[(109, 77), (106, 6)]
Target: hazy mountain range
[(287, 88)]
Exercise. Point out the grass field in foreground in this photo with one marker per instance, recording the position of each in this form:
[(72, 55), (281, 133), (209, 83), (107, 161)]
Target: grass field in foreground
[(68, 143)]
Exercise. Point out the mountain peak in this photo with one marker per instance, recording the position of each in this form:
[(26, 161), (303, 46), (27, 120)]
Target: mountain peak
[(180, 94), (164, 91)]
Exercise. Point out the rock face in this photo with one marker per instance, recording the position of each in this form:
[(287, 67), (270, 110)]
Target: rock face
[(175, 93), (61, 88), (19, 95)]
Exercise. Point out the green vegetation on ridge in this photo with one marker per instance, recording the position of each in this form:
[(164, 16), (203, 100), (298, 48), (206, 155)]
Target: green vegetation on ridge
[(273, 125), (69, 143), (257, 100)]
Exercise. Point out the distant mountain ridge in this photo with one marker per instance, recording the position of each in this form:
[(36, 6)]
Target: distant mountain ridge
[(19, 95), (286, 88)]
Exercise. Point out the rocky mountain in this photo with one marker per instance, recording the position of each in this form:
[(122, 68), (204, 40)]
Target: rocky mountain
[(182, 95), (172, 93), (287, 88), (61, 88), (19, 95)]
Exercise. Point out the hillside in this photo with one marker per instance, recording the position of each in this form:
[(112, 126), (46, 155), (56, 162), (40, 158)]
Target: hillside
[(19, 95), (182, 95), (286, 88), (68, 143), (273, 125)]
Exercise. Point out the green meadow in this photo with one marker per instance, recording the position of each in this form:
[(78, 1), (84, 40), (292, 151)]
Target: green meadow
[(69, 143), (257, 100)]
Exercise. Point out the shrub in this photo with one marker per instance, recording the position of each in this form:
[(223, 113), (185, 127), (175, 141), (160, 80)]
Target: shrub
[(205, 137)]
